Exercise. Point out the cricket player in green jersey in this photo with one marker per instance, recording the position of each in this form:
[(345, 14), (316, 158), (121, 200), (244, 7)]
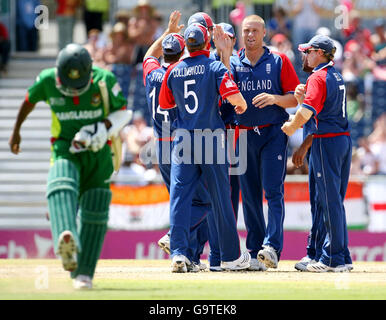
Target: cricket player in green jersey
[(78, 182)]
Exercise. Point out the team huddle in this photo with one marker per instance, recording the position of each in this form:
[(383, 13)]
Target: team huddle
[(192, 88), (247, 91)]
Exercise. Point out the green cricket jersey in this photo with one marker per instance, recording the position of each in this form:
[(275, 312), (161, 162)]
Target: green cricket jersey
[(70, 114)]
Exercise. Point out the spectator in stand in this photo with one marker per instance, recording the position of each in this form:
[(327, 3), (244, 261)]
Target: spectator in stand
[(354, 26), (279, 24), (5, 48), (355, 102), (355, 163), (377, 140), (369, 163), (94, 10), (306, 21), (136, 135), (26, 32), (378, 39), (123, 16), (65, 16), (94, 49), (356, 63), (142, 28), (118, 56), (281, 43), (362, 38)]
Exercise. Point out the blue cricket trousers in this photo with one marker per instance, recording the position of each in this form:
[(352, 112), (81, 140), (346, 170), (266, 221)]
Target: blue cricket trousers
[(214, 255), (331, 161), (200, 206), (185, 176), (266, 170)]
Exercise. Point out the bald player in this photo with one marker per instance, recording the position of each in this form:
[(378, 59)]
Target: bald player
[(267, 80)]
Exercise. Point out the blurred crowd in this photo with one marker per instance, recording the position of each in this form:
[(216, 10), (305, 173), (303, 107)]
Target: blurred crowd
[(360, 57)]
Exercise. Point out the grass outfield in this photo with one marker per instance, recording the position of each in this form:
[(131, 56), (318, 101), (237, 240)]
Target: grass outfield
[(152, 280)]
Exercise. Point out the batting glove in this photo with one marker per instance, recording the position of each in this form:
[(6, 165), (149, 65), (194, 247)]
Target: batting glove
[(99, 137), (91, 137), (81, 141)]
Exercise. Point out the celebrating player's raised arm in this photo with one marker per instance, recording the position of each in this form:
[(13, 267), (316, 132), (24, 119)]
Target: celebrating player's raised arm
[(155, 49), (223, 45)]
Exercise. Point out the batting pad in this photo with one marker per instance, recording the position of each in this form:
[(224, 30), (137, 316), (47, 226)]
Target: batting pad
[(62, 198), (93, 213)]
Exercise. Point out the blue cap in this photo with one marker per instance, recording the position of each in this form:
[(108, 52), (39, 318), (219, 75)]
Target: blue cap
[(201, 18), (173, 44), (195, 35), (319, 42), (228, 29)]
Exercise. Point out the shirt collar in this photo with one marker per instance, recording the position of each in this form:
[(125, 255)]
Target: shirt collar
[(266, 53), (200, 52), (323, 65)]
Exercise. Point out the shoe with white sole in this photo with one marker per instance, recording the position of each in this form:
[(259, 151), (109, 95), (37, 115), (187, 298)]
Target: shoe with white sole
[(349, 266), (67, 251), (202, 266), (268, 257), (256, 265), (242, 263), (215, 268), (321, 267), (82, 282), (303, 263), (164, 243), (180, 264), (192, 267)]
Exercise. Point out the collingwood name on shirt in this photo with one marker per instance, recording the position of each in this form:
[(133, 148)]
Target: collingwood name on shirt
[(191, 71)]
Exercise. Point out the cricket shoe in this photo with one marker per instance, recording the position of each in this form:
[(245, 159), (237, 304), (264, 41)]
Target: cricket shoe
[(164, 243), (215, 269), (67, 251), (193, 267), (321, 267), (303, 263), (242, 263), (256, 265), (82, 282), (202, 266), (180, 264), (268, 257), (349, 266)]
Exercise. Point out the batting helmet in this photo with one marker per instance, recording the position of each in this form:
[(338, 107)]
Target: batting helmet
[(73, 70)]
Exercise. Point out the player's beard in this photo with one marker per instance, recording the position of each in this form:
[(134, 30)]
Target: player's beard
[(305, 66)]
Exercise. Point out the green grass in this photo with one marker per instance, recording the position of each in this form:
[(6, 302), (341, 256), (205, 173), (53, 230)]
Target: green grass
[(152, 280)]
